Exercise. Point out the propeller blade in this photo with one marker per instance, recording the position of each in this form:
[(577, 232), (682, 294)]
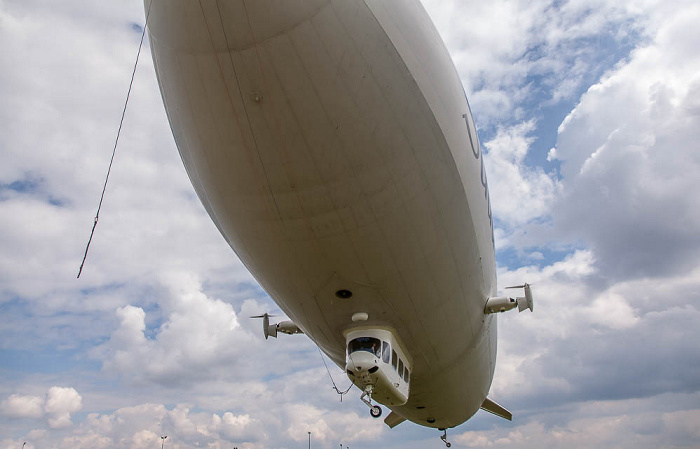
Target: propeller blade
[(519, 286), (267, 329)]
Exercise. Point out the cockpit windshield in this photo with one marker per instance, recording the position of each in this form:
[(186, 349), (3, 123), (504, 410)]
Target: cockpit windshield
[(368, 344)]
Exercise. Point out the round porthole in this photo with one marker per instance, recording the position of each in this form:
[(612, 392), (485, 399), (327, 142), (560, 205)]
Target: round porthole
[(343, 294)]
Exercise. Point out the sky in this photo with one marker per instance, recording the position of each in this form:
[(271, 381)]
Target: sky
[(589, 116)]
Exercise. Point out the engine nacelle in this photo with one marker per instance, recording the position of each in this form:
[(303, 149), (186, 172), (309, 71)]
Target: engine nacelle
[(270, 330), (286, 327), (503, 303), (500, 304)]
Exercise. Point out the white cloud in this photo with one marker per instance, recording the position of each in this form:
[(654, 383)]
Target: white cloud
[(144, 439), (57, 406), (60, 403), (232, 427), (91, 440), (18, 406), (597, 424), (142, 416), (497, 45), (142, 426), (522, 192), (627, 151), (199, 336), (330, 427), (62, 102), (630, 159), (611, 310), (588, 340)]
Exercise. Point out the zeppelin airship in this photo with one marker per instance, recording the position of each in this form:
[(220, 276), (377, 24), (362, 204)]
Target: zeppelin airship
[(332, 144)]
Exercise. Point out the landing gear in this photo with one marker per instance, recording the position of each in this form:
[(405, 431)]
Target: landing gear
[(374, 410), (443, 437)]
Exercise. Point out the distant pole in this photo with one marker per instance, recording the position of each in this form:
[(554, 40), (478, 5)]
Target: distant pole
[(162, 442), (309, 440)]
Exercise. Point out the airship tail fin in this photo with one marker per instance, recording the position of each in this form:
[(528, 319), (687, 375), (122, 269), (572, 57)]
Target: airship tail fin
[(496, 409), (393, 420)]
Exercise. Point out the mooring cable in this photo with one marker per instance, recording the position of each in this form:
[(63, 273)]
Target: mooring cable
[(116, 142), (335, 387)]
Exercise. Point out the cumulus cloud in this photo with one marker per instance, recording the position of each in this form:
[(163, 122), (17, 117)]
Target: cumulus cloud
[(18, 406), (629, 158), (62, 100), (196, 339), (60, 403), (329, 427), (199, 335), (142, 426), (591, 341), (503, 49), (626, 154), (230, 425), (144, 439), (57, 406), (522, 192), (644, 423)]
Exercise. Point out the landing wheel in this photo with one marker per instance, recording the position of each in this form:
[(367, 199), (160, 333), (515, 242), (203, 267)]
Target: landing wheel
[(444, 438), (375, 411)]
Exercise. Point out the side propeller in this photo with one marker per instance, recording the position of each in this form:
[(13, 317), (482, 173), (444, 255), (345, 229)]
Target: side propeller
[(271, 330), (266, 325), (526, 302)]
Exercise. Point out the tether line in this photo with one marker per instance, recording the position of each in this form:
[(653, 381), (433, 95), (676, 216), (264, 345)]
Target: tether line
[(116, 142)]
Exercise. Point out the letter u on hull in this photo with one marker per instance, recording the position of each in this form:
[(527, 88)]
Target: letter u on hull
[(326, 140)]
